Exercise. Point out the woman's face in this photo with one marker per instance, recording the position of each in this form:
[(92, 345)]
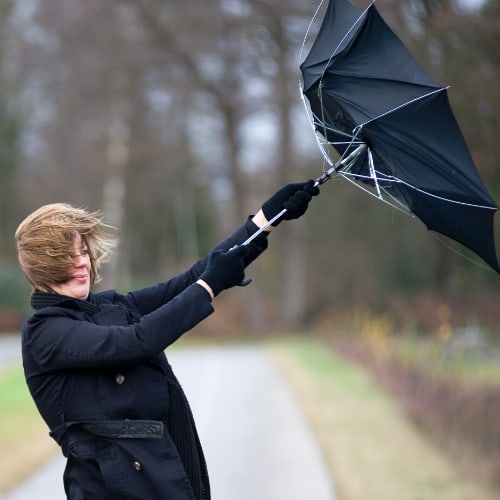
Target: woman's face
[(78, 284)]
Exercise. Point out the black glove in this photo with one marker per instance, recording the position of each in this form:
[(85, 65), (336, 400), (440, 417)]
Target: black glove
[(294, 197), (225, 268)]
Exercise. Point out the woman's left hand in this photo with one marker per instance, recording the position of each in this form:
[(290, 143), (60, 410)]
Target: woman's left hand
[(295, 197)]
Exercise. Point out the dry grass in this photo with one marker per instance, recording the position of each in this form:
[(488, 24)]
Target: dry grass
[(373, 451), (455, 399), (22, 453)]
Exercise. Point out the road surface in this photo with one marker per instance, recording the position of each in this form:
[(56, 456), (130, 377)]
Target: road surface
[(10, 350), (256, 441)]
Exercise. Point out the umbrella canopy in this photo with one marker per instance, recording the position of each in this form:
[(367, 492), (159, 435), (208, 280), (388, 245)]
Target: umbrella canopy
[(364, 87)]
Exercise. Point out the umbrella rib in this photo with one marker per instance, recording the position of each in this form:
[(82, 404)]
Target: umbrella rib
[(442, 198), (372, 171), (391, 178), (321, 139), (402, 106), (376, 176), (311, 117), (395, 202), (308, 30)]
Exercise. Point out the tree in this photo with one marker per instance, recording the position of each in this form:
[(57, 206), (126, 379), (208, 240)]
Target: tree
[(179, 118), (10, 123)]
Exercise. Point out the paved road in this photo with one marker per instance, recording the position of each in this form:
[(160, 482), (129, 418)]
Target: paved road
[(10, 350), (257, 443)]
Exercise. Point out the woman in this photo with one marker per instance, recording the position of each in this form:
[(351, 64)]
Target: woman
[(95, 363)]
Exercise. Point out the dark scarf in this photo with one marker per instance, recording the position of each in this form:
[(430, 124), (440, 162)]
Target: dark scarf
[(180, 420), (39, 300), (185, 437)]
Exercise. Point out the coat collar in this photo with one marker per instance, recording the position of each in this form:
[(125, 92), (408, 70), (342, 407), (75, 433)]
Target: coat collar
[(39, 300)]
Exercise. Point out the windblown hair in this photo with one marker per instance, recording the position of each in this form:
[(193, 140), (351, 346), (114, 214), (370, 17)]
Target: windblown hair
[(45, 242)]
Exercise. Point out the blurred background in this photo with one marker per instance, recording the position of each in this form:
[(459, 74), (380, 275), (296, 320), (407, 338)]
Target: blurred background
[(178, 119)]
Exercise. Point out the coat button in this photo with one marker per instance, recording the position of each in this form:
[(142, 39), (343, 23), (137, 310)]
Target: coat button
[(120, 378), (137, 466)]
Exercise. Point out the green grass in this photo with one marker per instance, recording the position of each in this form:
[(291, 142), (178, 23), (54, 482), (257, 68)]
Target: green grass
[(373, 451), (24, 440), (17, 410), (14, 394)]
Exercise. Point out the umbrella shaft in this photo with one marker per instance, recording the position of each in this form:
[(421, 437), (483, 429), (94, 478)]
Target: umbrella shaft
[(339, 165), (263, 228), (320, 180)]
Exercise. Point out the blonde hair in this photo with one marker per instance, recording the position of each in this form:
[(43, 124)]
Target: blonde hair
[(45, 242)]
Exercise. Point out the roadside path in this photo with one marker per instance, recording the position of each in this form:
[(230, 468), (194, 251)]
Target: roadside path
[(256, 441), (10, 350)]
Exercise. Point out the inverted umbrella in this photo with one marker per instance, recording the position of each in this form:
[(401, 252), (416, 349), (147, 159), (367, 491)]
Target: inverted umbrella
[(392, 129)]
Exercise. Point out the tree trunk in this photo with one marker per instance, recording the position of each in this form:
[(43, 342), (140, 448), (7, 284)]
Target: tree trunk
[(292, 296), (114, 186)]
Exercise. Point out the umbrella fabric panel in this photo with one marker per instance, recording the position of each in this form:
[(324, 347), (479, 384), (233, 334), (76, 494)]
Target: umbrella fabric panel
[(470, 226), (363, 86), (362, 47), (377, 53), (336, 32), (365, 99), (375, 75), (422, 145)]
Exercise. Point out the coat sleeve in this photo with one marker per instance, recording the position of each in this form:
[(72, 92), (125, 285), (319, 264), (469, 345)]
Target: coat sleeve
[(150, 298), (57, 339)]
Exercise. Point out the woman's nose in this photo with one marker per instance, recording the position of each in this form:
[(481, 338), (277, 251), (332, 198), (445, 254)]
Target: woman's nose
[(79, 260)]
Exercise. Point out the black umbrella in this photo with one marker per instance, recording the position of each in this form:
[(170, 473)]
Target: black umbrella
[(393, 127)]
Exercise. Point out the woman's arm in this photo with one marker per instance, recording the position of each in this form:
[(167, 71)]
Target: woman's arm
[(150, 298), (57, 338)]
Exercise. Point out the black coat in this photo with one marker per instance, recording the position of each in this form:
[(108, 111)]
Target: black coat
[(98, 374)]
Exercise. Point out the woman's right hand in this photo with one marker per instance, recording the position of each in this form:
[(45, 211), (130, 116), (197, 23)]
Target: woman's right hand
[(225, 269)]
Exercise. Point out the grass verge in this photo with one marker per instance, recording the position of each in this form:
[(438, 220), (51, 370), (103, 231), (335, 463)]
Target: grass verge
[(372, 449), (24, 441)]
